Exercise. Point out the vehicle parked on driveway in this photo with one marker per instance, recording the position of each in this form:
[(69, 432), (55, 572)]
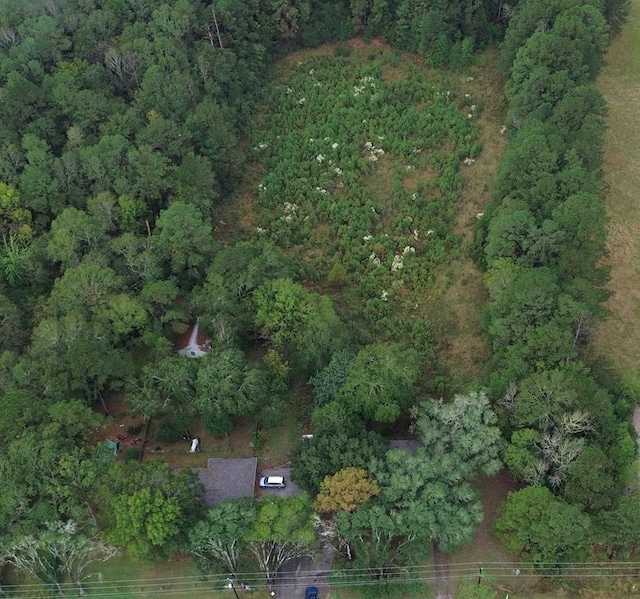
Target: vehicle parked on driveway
[(272, 482)]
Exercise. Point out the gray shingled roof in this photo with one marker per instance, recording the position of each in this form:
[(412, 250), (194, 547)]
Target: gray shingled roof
[(227, 478), (410, 445)]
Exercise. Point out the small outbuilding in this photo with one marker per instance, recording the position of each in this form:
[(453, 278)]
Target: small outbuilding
[(193, 343)]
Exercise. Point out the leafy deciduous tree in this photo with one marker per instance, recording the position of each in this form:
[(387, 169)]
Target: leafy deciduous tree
[(220, 538), (345, 490), (381, 381), (543, 528), (282, 531)]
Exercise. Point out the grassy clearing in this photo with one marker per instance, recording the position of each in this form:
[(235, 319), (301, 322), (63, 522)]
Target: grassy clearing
[(618, 338), (125, 578)]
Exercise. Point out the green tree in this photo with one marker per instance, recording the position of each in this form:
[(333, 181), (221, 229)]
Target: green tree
[(227, 386), (331, 451), (532, 16), (587, 28), (37, 184), (20, 409), (327, 382), (133, 212), (431, 494), (381, 381), (465, 429), (74, 234), (282, 531), (618, 529), (232, 278), (164, 387), (62, 549), (529, 300), (591, 481), (151, 174), (149, 508), (542, 528), (50, 468), (196, 182), (522, 456), (616, 12), (374, 537), (146, 523), (219, 539), (184, 240), (70, 356), (304, 325), (345, 490), (137, 259), (84, 288), (583, 218), (508, 232), (290, 16), (15, 219), (13, 335), (16, 261)]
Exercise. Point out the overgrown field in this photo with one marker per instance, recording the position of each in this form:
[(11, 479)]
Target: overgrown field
[(619, 336), (365, 172)]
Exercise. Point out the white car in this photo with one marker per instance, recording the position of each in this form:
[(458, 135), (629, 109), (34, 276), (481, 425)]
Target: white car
[(272, 482)]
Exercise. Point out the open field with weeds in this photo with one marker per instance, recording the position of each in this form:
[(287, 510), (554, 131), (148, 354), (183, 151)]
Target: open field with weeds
[(618, 338), (372, 174)]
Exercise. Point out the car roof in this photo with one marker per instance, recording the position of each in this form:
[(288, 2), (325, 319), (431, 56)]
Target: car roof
[(274, 479)]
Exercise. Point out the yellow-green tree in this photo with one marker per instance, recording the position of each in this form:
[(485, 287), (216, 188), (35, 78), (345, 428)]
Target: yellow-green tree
[(345, 490)]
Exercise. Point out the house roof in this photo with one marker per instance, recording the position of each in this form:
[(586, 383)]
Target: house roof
[(193, 338), (410, 445), (228, 478)]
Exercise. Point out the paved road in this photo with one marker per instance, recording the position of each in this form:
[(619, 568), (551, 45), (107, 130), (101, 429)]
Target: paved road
[(295, 576)]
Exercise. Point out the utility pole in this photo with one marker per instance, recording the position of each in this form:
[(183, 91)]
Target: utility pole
[(232, 587)]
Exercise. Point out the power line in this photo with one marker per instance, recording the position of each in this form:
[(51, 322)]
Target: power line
[(343, 577)]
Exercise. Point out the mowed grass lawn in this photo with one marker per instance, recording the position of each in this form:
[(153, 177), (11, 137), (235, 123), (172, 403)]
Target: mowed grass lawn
[(618, 338)]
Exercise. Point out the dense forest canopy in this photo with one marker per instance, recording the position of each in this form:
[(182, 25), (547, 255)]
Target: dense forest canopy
[(127, 125)]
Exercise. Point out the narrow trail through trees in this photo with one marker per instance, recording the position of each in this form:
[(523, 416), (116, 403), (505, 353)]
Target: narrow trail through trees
[(443, 576)]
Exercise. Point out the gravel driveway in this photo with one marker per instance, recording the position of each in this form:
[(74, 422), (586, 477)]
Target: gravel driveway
[(288, 491)]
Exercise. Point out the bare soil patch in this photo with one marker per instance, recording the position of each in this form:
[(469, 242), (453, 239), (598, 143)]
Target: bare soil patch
[(359, 43)]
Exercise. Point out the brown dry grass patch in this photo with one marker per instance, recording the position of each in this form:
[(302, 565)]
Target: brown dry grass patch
[(618, 338), (465, 295)]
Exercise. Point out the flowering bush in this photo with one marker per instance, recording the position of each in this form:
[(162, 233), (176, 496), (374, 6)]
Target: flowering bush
[(337, 132)]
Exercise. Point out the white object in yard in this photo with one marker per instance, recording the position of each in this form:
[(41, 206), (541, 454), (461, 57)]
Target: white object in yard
[(194, 445)]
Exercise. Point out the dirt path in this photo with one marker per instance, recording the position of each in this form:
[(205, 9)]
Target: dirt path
[(619, 81), (443, 575)]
